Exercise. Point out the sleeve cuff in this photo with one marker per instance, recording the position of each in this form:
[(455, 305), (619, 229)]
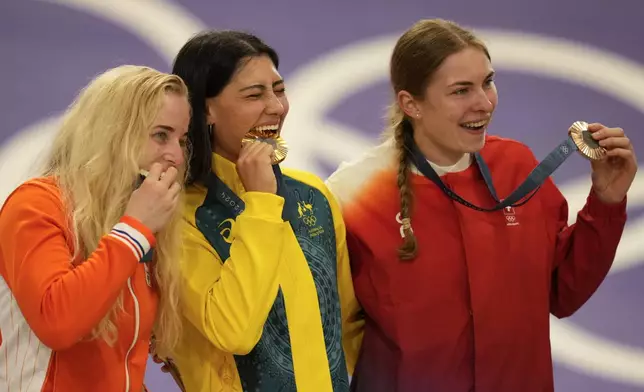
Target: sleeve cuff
[(598, 210), (135, 235)]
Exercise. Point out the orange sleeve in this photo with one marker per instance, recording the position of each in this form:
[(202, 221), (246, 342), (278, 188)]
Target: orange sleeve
[(63, 303)]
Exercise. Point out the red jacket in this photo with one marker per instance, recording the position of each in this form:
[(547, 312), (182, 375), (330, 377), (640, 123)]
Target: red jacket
[(471, 312)]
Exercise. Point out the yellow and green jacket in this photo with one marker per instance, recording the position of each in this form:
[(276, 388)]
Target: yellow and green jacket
[(266, 306)]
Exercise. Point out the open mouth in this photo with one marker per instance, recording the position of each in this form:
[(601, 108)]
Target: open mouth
[(475, 126), (268, 134), (264, 132)]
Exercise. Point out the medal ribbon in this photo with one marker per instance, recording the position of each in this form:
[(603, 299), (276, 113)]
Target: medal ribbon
[(528, 188)]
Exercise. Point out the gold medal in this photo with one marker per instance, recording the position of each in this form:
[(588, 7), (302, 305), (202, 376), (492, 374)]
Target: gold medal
[(279, 145), (586, 145)]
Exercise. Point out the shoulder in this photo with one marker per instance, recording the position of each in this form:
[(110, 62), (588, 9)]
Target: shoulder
[(41, 192), (304, 177), (38, 199), (308, 179), (38, 186), (193, 198), (353, 176)]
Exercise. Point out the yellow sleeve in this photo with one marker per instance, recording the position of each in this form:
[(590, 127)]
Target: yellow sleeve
[(352, 320), (229, 302)]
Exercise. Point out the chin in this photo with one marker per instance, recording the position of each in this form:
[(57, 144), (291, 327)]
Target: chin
[(474, 143)]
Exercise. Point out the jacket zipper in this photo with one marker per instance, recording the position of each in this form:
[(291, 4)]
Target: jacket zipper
[(136, 334)]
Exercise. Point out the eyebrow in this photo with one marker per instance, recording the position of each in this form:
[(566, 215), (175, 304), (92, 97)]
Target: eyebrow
[(466, 83), (165, 127), (170, 129), (261, 86)]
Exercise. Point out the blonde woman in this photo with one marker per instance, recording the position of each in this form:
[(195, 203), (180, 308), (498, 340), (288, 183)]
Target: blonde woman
[(88, 252)]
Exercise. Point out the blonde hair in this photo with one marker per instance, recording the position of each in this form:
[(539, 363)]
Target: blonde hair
[(415, 58), (94, 159)]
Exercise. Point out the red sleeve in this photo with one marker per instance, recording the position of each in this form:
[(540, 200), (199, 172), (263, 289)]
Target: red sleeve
[(359, 253), (584, 251), (63, 303)]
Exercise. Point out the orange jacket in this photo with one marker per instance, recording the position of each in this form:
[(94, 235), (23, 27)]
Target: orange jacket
[(48, 306)]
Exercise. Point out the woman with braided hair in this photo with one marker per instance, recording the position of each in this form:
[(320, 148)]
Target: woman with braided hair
[(456, 271)]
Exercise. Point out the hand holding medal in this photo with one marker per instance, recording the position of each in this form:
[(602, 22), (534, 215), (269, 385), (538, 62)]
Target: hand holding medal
[(156, 197), (261, 149), (612, 158)]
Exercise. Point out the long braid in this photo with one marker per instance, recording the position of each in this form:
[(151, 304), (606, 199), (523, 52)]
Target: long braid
[(418, 53), (408, 249)]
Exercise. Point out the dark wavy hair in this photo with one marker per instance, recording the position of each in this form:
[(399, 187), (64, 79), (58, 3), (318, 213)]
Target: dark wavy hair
[(206, 63)]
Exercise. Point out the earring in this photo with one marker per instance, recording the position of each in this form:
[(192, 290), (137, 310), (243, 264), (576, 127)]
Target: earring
[(210, 127), (417, 115)]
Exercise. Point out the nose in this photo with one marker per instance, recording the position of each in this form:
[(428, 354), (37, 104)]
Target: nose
[(274, 106), (175, 154), (484, 102)]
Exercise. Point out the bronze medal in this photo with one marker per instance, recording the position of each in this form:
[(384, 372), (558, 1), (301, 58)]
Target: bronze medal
[(586, 145)]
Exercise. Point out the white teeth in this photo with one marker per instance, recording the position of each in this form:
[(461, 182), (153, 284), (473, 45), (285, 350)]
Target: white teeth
[(267, 128), (475, 124)]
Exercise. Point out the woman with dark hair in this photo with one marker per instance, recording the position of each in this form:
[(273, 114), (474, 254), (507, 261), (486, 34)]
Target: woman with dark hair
[(457, 283), (268, 303)]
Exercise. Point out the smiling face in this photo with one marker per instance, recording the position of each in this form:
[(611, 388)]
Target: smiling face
[(452, 117), (253, 101)]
